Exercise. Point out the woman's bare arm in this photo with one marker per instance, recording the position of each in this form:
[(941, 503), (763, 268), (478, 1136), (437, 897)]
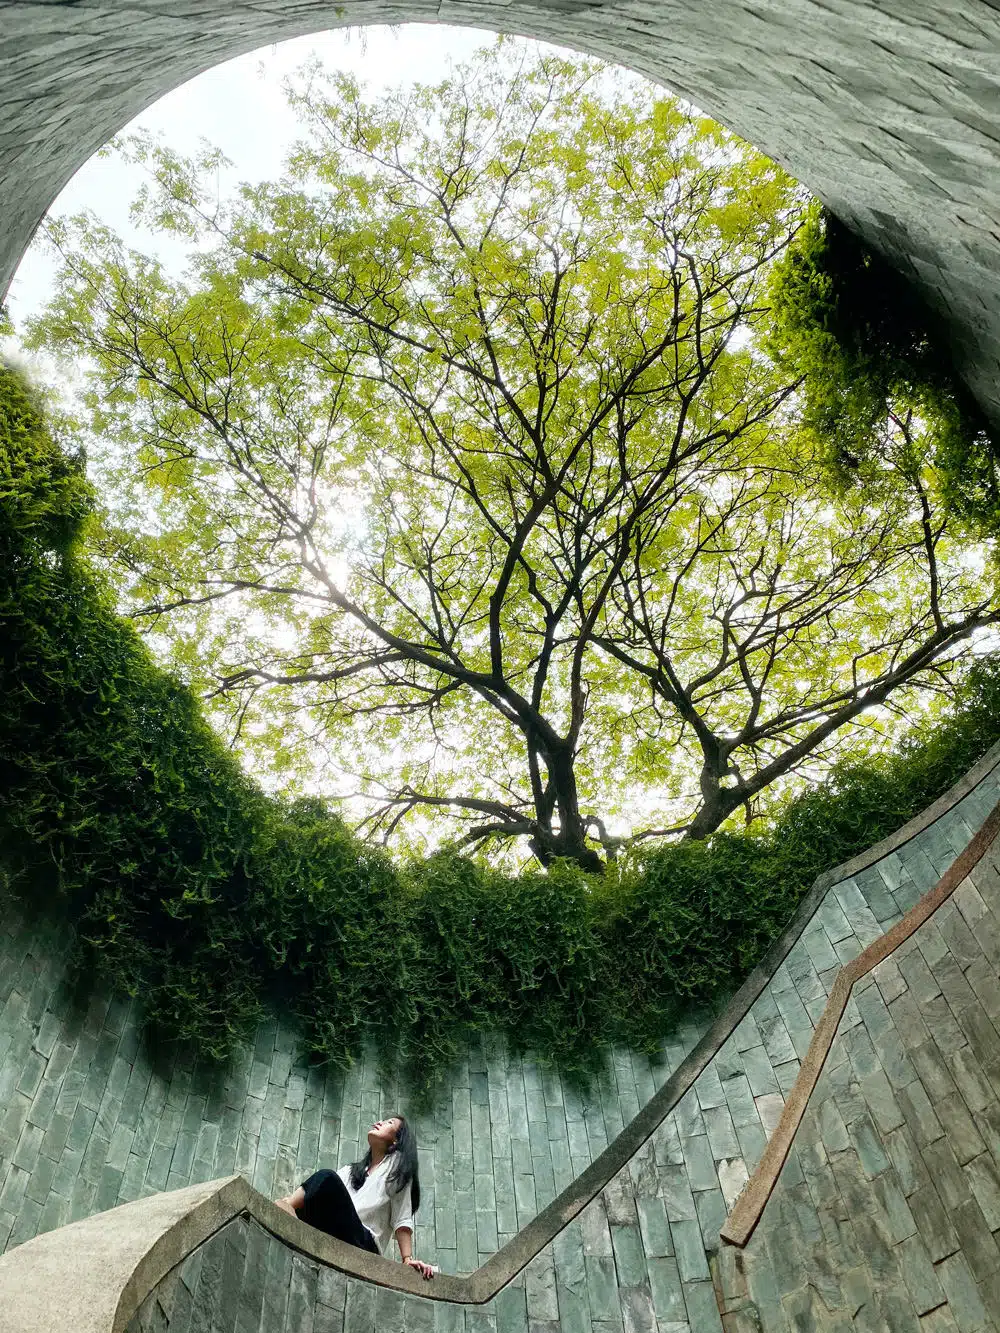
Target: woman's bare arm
[(404, 1239)]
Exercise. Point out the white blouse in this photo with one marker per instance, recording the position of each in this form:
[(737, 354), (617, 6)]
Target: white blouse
[(380, 1211)]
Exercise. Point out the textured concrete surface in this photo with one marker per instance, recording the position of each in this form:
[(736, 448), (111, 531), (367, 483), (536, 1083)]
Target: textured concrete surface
[(75, 1277), (889, 111), (88, 1122)]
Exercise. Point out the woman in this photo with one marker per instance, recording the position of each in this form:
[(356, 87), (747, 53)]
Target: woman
[(368, 1202)]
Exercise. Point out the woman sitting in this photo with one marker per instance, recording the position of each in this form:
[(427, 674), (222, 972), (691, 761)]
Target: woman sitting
[(368, 1202)]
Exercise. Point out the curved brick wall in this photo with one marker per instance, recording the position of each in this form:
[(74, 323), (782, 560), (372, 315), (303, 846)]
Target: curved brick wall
[(89, 1120), (90, 1123), (890, 112)]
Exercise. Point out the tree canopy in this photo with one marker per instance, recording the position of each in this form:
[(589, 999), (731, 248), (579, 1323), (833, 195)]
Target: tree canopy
[(462, 452)]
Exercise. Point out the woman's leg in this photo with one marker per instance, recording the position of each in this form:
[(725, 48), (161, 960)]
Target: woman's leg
[(329, 1207)]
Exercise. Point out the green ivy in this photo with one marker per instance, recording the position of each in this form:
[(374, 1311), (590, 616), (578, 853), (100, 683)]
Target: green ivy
[(863, 342), (210, 900)]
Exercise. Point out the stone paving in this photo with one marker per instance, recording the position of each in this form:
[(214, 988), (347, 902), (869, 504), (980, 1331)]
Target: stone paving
[(889, 111), (89, 1123)]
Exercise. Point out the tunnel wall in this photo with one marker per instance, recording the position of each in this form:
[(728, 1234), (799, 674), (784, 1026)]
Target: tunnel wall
[(91, 1123), (889, 111), (885, 1215), (90, 1118)]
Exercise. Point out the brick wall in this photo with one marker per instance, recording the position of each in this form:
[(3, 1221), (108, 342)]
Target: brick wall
[(889, 112), (91, 1121)]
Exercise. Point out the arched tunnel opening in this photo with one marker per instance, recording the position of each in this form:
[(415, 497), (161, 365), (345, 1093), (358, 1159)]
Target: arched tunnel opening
[(885, 1196)]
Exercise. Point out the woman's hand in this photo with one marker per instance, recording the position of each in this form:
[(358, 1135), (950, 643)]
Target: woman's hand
[(292, 1202), (425, 1269)]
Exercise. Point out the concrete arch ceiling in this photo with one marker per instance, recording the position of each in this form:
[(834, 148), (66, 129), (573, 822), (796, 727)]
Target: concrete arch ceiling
[(889, 110)]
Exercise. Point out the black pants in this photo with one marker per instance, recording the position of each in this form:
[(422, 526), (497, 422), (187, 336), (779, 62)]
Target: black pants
[(329, 1207)]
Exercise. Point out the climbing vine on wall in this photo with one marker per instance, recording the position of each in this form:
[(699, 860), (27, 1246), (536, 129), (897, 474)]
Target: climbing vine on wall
[(868, 351), (192, 888)]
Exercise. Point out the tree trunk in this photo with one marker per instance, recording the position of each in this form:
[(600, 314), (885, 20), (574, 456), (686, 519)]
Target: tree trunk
[(570, 840)]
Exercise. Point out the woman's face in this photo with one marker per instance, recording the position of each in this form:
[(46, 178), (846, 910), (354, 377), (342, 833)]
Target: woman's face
[(385, 1131)]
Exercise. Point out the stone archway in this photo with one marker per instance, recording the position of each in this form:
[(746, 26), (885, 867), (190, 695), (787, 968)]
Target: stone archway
[(889, 111)]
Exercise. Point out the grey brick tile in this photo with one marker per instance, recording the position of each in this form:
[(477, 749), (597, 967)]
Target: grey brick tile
[(983, 1175), (769, 1109), (721, 1132), (931, 943), (919, 1114), (753, 1141), (25, 1223), (981, 1250), (895, 1059), (964, 1302), (676, 1191), (919, 1275), (920, 981), (712, 1212), (796, 1019), (732, 1177), (889, 979), (859, 915), (703, 1311), (630, 1258), (740, 1101), (667, 1293), (509, 1307), (971, 1080), (708, 1089), (881, 1102), (899, 1218), (689, 1250), (984, 1039), (747, 1033), (963, 1135), (920, 868), (699, 1162), (950, 1180), (933, 1222), (540, 1288), (876, 891), (954, 985), (982, 978), (908, 1019), (970, 903), (688, 1116), (833, 920), (897, 1312), (868, 1145), (957, 935), (932, 1071), (359, 1308), (759, 1072), (637, 1310)]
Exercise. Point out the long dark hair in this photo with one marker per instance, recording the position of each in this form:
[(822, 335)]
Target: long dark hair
[(403, 1171)]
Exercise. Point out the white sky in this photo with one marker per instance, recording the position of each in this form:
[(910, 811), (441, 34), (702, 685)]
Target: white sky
[(240, 107)]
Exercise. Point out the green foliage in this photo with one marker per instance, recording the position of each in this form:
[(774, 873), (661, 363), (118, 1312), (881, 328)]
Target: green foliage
[(866, 346), (209, 899)]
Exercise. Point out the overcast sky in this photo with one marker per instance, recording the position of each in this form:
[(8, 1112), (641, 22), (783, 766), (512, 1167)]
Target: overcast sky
[(240, 108)]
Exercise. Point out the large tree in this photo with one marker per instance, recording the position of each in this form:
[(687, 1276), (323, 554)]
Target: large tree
[(459, 448)]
